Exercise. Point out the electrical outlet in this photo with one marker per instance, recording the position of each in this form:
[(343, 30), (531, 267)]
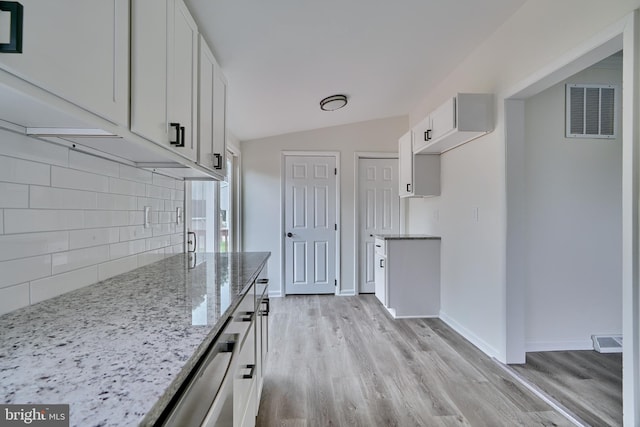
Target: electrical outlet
[(475, 212), (179, 215), (147, 216)]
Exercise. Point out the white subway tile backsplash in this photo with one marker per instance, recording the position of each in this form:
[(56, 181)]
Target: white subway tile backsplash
[(14, 195), (34, 220), (129, 188), (163, 229), (163, 181), (24, 147), (24, 172), (136, 218), (93, 237), (158, 192), (14, 246), (73, 260), (58, 198), (69, 219), (86, 162), (158, 242), (135, 174), (135, 232), (156, 204), (97, 219), (24, 269), (14, 297), (79, 180), (117, 202), (150, 257), (59, 284), (118, 266), (119, 250)]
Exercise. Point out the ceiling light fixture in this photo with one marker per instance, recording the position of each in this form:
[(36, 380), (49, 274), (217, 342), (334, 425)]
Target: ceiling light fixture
[(333, 102)]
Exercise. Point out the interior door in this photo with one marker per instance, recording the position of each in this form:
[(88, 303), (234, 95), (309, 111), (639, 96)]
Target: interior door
[(379, 212), (310, 224)]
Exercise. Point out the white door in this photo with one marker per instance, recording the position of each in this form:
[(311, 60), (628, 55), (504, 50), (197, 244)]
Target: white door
[(379, 212), (310, 224)]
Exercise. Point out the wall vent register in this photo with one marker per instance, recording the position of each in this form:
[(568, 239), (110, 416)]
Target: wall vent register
[(591, 111)]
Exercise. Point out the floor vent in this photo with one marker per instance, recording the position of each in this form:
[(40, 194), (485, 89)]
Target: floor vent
[(607, 343)]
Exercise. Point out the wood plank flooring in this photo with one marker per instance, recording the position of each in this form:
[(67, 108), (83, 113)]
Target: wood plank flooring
[(342, 361), (587, 383)]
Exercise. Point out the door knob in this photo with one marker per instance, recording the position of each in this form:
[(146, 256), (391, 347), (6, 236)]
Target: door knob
[(289, 234)]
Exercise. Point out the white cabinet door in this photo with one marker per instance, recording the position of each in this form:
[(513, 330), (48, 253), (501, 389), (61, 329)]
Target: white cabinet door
[(78, 50), (443, 119), (220, 121), (381, 279), (405, 164), (212, 113), (183, 78), (164, 46)]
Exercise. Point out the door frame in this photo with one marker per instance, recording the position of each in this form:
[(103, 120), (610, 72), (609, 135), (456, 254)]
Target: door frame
[(283, 260), (356, 207), (624, 35)]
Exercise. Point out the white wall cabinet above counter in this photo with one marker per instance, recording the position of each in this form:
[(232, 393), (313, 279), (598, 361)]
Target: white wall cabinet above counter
[(117, 79), (79, 51), (460, 119), (419, 174)]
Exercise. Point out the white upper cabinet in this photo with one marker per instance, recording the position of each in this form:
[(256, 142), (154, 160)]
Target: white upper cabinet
[(164, 74), (79, 51), (460, 119), (212, 113), (419, 174)]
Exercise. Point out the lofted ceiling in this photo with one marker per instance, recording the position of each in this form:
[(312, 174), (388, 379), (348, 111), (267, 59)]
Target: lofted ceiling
[(281, 57)]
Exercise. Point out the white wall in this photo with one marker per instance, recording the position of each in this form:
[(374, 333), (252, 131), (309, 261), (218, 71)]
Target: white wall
[(261, 185), (68, 220), (573, 205), (473, 175)]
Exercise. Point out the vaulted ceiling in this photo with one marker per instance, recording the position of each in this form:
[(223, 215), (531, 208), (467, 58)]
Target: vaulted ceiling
[(281, 57)]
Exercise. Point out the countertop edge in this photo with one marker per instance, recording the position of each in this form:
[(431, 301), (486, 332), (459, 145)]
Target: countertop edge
[(160, 406)]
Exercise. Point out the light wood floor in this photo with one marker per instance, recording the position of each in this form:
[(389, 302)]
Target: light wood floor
[(342, 361), (587, 383)]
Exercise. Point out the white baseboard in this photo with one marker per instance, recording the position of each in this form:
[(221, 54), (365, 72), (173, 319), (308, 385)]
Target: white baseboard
[(275, 294), (469, 336), (349, 293), (416, 317), (558, 345)]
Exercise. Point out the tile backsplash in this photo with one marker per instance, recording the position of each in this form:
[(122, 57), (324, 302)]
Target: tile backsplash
[(69, 219)]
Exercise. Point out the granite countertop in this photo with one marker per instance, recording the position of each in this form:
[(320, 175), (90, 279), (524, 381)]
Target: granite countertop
[(406, 236), (117, 351)]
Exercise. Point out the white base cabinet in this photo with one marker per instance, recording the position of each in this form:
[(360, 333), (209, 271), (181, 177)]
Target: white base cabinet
[(408, 275)]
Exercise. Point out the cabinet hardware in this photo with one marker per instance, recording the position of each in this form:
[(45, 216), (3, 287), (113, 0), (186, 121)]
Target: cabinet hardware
[(246, 316), (251, 368), (408, 188), (381, 263), (289, 234), (427, 135), (218, 164), (181, 140), (176, 126), (378, 246), (190, 242)]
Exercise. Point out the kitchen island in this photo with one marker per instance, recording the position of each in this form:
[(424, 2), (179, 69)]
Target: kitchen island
[(118, 351)]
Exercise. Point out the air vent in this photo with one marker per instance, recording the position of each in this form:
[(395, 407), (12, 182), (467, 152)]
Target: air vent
[(591, 111), (607, 343)]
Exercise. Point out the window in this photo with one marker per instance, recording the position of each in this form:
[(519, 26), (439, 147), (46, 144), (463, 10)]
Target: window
[(591, 111)]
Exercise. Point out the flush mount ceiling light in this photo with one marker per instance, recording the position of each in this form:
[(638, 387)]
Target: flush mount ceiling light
[(333, 102)]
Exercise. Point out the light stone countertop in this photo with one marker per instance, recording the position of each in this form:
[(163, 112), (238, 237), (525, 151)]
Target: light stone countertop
[(406, 236), (117, 351)]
